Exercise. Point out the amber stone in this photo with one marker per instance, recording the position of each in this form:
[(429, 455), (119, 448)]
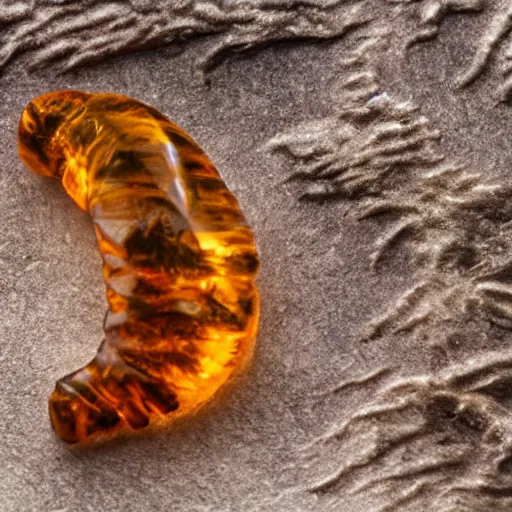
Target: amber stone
[(179, 260)]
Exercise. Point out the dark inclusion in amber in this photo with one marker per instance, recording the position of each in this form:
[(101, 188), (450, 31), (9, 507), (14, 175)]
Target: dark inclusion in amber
[(179, 261)]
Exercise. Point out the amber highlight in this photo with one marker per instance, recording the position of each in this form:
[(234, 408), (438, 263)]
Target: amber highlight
[(179, 260)]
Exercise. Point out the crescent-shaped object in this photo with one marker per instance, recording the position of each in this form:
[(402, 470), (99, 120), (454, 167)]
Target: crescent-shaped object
[(179, 260)]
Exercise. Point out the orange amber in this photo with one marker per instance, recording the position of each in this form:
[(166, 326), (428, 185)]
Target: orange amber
[(179, 261)]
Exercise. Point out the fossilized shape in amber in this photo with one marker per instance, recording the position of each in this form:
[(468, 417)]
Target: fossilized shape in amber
[(179, 261)]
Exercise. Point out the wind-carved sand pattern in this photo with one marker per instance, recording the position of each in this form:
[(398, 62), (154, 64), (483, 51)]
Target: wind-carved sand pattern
[(74, 33), (383, 155), (431, 13), (494, 42), (445, 434), (67, 35), (441, 443), (71, 34)]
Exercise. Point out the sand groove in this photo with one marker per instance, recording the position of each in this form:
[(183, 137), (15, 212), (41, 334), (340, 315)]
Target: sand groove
[(71, 34), (444, 433), (454, 223)]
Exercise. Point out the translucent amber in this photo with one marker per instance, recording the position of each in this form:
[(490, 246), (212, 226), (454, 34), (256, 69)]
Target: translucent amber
[(179, 261)]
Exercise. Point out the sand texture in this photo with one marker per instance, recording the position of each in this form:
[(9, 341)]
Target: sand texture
[(368, 144)]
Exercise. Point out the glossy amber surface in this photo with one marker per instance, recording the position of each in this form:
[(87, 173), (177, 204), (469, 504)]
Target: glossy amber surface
[(179, 261)]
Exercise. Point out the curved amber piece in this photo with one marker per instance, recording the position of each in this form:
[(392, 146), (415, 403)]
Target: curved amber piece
[(179, 261)]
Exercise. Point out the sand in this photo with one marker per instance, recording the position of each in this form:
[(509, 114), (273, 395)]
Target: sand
[(368, 144)]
